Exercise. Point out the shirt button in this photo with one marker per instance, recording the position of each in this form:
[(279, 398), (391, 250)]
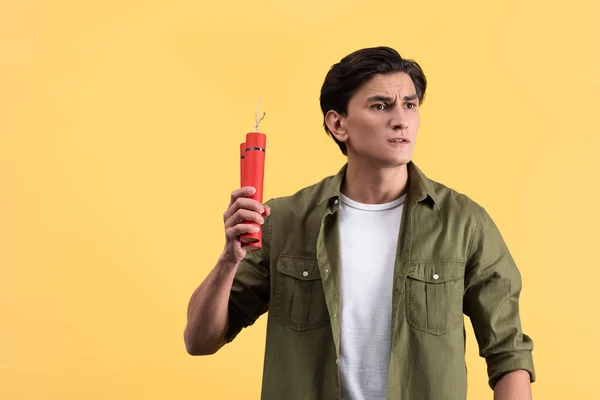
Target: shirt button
[(305, 273), (336, 201), (337, 361), (435, 276), (335, 314), (327, 271)]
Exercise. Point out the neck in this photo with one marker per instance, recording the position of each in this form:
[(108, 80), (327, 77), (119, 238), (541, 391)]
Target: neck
[(368, 184)]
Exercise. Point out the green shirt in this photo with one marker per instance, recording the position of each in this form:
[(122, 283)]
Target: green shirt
[(451, 259)]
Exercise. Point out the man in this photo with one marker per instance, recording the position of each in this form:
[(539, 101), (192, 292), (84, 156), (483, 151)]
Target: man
[(366, 274)]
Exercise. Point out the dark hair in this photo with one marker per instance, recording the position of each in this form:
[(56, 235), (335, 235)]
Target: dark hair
[(347, 76)]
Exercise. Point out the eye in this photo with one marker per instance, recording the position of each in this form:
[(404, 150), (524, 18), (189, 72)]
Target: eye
[(410, 106), (379, 106)]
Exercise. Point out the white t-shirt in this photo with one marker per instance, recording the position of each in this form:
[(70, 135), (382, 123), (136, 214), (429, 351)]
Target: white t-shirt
[(368, 241)]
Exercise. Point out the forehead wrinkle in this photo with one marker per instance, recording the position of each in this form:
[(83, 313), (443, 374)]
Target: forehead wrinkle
[(395, 92)]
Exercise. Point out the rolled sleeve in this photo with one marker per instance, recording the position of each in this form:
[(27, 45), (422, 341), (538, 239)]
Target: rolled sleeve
[(250, 292), (492, 289)]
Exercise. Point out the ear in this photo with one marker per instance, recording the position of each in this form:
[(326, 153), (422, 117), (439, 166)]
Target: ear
[(337, 125)]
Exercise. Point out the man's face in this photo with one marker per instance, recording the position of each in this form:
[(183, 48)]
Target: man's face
[(382, 120)]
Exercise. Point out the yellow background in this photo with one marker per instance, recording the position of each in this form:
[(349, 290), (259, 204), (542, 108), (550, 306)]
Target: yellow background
[(119, 130)]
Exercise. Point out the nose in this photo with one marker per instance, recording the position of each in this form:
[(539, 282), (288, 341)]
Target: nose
[(399, 120)]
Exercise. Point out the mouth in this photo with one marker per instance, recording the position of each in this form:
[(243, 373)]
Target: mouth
[(399, 140)]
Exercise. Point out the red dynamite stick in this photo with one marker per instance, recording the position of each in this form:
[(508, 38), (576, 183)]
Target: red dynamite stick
[(252, 174)]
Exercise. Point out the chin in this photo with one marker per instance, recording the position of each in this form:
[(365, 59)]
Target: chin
[(394, 162), (385, 160), (400, 159)]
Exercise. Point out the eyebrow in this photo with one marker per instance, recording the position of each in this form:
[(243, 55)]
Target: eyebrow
[(390, 99)]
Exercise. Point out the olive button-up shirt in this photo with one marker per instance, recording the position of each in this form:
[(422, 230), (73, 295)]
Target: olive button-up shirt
[(451, 260)]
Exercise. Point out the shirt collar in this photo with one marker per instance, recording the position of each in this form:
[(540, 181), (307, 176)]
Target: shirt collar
[(420, 187)]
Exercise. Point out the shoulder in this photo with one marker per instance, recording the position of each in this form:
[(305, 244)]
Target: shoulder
[(451, 201), (295, 220)]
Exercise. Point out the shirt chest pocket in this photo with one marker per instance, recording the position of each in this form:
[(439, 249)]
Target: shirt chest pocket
[(298, 299), (434, 296)]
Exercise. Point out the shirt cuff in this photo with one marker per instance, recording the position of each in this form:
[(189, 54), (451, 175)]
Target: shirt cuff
[(500, 364), (236, 322)]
